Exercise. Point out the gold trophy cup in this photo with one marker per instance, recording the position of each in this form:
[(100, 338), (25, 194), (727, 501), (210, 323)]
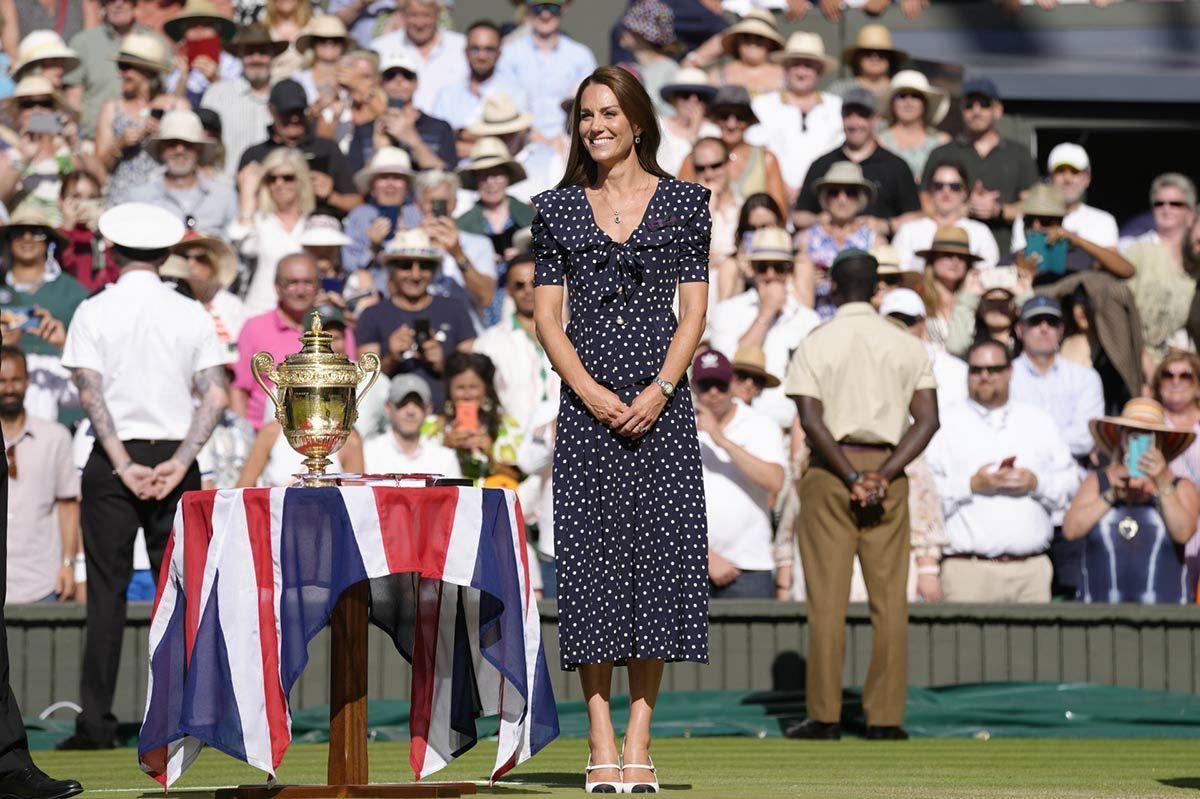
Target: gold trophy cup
[(316, 397)]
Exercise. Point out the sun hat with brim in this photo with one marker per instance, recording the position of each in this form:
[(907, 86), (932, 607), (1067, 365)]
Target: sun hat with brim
[(42, 46), (949, 240), (29, 216), (255, 35), (489, 153), (37, 86), (324, 231), (146, 52), (225, 264), (754, 23), (1141, 415), (937, 102), (653, 20), (735, 99), (1044, 199), (688, 80), (803, 45), (500, 117), (141, 226), (411, 245), (873, 37), (325, 26), (386, 161), (752, 361), (770, 244), (203, 12), (180, 126), (845, 173)]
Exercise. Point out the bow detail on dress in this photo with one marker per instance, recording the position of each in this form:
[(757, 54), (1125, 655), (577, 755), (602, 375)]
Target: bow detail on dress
[(624, 270)]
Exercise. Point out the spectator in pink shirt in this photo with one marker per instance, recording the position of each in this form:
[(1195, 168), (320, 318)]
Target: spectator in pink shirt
[(278, 332)]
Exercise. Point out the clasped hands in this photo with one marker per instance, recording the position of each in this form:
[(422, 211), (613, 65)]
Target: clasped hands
[(157, 483), (633, 420), (1008, 481), (869, 489)]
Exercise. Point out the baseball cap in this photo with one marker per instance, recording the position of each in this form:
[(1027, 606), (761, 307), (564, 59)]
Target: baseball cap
[(1041, 306), (287, 95), (711, 365), (402, 61), (985, 87), (902, 301), (404, 384), (1068, 154), (859, 97)]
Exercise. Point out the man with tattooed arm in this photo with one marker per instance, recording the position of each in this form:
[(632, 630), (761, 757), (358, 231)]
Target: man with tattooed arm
[(138, 352)]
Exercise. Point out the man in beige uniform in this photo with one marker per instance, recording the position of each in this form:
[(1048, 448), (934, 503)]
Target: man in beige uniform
[(856, 380)]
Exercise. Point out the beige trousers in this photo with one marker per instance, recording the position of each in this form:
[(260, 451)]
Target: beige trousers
[(965, 580)]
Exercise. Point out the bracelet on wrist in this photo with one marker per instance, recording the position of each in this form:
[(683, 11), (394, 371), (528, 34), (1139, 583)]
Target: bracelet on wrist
[(120, 470), (68, 563), (933, 571)]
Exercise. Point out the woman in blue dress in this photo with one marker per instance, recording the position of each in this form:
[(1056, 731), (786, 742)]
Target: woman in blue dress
[(629, 523), (1134, 527)]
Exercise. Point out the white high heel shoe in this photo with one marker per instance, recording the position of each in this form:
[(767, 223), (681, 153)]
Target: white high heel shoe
[(641, 786), (601, 787)]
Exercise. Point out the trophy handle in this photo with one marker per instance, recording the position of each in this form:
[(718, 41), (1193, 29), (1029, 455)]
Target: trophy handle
[(262, 366), (368, 364)]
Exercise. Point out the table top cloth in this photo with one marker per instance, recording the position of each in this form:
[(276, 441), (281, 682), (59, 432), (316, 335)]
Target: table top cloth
[(250, 576)]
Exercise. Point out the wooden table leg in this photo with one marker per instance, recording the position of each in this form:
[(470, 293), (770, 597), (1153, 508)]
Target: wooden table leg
[(348, 687)]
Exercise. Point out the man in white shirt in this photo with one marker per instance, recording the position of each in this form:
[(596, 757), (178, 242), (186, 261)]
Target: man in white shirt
[(766, 316), (1002, 472), (906, 307), (441, 55), (139, 352), (743, 458), (242, 101), (1071, 170), (401, 450), (522, 368), (799, 123)]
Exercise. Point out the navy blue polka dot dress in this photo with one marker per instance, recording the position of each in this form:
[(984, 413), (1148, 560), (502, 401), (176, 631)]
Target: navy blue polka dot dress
[(630, 534)]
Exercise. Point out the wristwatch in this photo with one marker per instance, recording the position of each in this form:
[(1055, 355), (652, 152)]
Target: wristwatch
[(668, 388), (852, 478), (120, 470)]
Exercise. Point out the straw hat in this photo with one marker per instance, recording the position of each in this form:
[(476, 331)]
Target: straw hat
[(770, 244), (949, 240), (753, 361), (326, 26), (887, 258), (411, 245), (686, 81), (489, 153), (754, 23), (807, 46), (845, 173), (180, 126), (324, 231), (27, 215), (1045, 199), (141, 226), (38, 86), (144, 51), (386, 161), (501, 117), (255, 34), (873, 37), (1141, 415), (199, 11), (223, 257), (937, 102), (43, 46)]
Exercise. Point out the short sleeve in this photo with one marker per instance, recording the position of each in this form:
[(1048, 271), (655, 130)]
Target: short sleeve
[(925, 378), (66, 478), (801, 380), (695, 244), (367, 331), (82, 350), (548, 257)]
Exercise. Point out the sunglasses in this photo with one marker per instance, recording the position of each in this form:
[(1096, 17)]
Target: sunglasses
[(875, 53), (199, 256), (779, 267), (521, 285), (35, 102), (328, 40), (408, 266), (908, 95), (1170, 204), (21, 231), (758, 380), (545, 8), (1044, 221), (392, 74), (1183, 377), (709, 383), (975, 369), (280, 178), (947, 185), (713, 167), (978, 100), (687, 96), (1038, 321), (905, 319), (853, 192)]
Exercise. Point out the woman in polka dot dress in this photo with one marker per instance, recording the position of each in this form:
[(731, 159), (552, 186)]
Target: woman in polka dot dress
[(629, 525)]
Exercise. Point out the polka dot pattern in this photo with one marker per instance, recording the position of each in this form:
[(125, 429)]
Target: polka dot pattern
[(630, 533)]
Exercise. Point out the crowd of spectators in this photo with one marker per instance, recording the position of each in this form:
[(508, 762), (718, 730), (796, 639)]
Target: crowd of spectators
[(363, 160)]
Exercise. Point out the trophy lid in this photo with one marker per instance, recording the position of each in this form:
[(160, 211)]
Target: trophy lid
[(316, 363)]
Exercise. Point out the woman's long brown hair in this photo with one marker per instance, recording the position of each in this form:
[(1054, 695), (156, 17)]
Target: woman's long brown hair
[(635, 104)]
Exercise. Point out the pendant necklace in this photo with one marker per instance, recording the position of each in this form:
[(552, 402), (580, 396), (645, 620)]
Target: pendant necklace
[(616, 212)]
